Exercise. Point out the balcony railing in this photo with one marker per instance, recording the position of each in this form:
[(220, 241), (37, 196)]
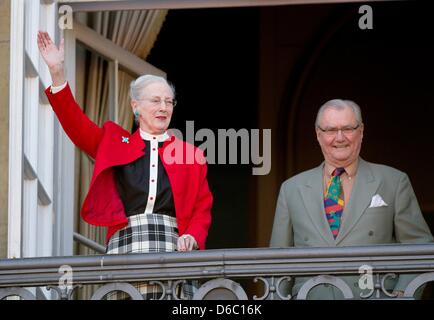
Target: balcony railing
[(220, 272)]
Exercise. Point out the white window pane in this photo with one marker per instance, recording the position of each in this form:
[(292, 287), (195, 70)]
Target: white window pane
[(30, 114), (45, 230), (31, 17), (45, 148), (30, 204)]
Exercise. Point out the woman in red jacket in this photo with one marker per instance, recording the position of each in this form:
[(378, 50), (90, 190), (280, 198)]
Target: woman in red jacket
[(141, 189)]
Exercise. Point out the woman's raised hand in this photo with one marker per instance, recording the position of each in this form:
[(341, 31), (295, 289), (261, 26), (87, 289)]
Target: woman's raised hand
[(53, 57)]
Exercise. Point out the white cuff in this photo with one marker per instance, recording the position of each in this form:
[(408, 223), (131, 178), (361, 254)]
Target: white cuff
[(58, 88)]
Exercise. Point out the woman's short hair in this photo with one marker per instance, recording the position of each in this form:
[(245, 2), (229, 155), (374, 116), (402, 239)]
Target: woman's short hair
[(340, 104), (137, 86)]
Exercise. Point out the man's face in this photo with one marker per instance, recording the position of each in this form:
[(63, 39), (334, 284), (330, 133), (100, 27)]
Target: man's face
[(340, 144)]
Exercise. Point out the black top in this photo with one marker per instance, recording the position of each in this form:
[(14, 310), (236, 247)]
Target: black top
[(132, 183)]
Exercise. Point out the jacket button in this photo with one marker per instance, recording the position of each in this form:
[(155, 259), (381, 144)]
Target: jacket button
[(371, 233)]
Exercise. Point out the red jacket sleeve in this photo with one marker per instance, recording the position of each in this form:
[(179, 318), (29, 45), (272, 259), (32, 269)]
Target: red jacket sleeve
[(84, 133), (201, 219)]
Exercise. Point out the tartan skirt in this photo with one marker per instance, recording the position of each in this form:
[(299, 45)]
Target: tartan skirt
[(147, 232)]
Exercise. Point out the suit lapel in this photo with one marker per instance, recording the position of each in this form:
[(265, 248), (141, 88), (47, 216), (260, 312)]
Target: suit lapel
[(365, 187), (312, 194)]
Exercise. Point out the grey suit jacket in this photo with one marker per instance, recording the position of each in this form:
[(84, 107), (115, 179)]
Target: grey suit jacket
[(300, 219)]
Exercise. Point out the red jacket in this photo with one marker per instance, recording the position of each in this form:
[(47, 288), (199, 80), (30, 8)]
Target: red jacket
[(108, 146)]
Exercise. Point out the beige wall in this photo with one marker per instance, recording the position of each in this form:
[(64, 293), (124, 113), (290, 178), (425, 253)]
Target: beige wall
[(4, 121)]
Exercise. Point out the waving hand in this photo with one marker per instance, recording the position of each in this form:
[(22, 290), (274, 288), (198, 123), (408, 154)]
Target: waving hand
[(53, 56)]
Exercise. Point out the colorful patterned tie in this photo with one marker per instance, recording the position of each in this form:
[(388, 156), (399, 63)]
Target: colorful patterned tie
[(334, 201)]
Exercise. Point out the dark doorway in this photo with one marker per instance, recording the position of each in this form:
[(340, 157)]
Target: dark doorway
[(388, 71), (211, 56)]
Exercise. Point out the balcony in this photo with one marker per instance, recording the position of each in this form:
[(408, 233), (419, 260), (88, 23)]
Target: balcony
[(221, 272)]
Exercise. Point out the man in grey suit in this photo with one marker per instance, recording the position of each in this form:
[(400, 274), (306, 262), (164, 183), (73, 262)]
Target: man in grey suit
[(346, 201)]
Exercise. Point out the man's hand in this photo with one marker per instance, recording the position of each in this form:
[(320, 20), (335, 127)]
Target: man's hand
[(187, 242)]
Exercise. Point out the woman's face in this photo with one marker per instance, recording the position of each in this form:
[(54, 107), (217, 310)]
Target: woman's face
[(155, 108)]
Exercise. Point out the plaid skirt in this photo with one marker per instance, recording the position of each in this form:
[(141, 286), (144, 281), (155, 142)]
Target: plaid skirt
[(147, 232)]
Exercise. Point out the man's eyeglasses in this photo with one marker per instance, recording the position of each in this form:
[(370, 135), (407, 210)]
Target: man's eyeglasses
[(334, 131), (170, 103)]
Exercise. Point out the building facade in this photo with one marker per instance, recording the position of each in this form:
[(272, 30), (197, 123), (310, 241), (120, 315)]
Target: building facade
[(44, 178)]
